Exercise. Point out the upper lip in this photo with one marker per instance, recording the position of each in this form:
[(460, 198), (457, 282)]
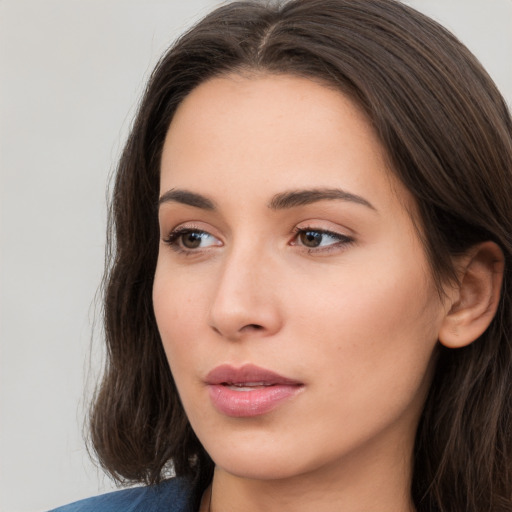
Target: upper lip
[(247, 374)]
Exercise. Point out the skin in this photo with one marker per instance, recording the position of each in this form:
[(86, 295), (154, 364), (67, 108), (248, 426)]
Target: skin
[(355, 320)]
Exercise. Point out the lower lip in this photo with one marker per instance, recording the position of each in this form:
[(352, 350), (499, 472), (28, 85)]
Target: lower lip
[(252, 402)]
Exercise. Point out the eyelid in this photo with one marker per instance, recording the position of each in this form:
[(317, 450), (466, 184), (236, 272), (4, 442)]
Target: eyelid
[(341, 240), (169, 228), (172, 239), (340, 237)]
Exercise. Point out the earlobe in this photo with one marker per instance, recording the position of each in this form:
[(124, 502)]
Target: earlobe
[(475, 297)]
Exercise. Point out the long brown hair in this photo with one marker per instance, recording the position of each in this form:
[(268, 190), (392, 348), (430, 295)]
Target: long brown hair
[(448, 134)]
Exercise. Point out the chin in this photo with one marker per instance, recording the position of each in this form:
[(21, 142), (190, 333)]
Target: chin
[(261, 468), (255, 460)]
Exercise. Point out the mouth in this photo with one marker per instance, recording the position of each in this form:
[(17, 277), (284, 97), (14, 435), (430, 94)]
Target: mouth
[(249, 391), (246, 386)]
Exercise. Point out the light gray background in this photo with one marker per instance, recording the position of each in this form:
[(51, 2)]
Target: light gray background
[(72, 72)]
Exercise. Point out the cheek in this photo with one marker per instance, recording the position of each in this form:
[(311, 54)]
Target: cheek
[(378, 326), (372, 353), (180, 306)]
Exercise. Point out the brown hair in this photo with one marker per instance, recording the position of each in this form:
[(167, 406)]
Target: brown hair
[(448, 135)]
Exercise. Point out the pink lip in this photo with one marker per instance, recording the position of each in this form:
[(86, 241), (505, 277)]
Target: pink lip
[(249, 390)]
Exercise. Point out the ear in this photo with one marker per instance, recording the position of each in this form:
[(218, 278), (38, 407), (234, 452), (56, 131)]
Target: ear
[(475, 298)]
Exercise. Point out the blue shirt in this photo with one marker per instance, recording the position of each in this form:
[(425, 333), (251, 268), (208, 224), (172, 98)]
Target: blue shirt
[(173, 495)]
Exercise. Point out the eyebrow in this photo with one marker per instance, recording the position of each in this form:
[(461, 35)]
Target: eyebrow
[(295, 198), (281, 201), (188, 198)]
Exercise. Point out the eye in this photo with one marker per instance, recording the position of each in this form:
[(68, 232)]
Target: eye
[(187, 239), (319, 238)]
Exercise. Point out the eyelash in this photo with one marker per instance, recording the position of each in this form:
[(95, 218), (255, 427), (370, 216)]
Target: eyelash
[(341, 240), (175, 239)]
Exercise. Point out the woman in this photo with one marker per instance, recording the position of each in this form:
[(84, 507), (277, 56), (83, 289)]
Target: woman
[(309, 300)]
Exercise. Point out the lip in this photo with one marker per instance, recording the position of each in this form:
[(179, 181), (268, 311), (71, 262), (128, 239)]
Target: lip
[(249, 390)]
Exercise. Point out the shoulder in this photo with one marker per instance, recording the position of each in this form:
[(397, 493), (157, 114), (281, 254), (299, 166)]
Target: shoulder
[(173, 495)]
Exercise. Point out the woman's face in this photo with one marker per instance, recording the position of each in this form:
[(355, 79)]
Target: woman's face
[(292, 293)]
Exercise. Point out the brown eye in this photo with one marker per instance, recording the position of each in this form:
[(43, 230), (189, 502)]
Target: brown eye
[(320, 239), (192, 239), (310, 238), (185, 239)]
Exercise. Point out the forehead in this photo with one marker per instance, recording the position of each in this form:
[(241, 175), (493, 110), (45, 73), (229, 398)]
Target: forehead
[(264, 133)]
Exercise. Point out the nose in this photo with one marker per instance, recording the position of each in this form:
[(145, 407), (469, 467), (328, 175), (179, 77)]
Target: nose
[(245, 302)]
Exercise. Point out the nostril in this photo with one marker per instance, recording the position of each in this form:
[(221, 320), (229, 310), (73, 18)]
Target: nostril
[(245, 328), (252, 327)]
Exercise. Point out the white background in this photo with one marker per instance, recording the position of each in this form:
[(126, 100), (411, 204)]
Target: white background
[(71, 73)]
